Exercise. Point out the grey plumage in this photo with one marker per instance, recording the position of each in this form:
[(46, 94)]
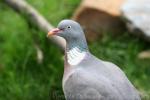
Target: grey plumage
[(94, 79), (87, 77)]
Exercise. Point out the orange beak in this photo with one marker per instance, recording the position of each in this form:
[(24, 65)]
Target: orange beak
[(53, 32)]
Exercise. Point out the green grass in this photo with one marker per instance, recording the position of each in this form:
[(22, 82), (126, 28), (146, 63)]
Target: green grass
[(23, 78)]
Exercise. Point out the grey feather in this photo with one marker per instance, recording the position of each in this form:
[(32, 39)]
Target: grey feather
[(94, 79)]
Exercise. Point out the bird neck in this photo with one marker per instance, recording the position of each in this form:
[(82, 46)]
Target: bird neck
[(76, 51)]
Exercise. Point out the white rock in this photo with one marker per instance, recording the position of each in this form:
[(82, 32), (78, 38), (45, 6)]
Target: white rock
[(137, 13)]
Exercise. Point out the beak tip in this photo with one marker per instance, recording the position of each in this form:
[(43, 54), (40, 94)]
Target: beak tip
[(53, 32), (49, 33)]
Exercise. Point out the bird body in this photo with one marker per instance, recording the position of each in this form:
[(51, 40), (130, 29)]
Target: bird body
[(97, 80), (87, 77)]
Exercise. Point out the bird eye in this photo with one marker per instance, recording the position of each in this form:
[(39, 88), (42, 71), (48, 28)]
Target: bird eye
[(69, 27)]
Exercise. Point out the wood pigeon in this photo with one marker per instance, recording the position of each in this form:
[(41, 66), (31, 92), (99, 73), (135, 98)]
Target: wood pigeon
[(85, 76)]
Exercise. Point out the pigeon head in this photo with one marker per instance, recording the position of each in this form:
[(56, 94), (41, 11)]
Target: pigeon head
[(71, 31), (68, 29)]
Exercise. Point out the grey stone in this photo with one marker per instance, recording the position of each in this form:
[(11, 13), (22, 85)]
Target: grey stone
[(137, 15)]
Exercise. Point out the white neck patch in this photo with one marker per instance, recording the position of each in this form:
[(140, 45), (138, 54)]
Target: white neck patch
[(75, 56)]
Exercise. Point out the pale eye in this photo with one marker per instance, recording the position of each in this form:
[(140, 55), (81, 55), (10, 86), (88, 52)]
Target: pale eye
[(69, 27)]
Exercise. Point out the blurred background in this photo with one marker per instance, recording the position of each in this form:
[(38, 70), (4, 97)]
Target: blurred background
[(31, 66)]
